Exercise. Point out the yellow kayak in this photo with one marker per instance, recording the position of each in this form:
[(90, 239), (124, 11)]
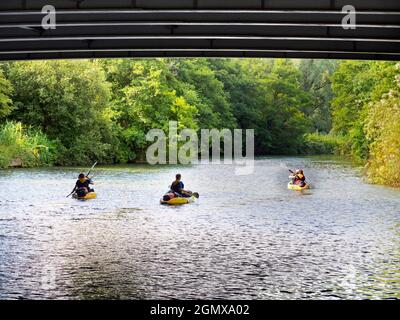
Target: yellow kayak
[(295, 187), (89, 196), (179, 201)]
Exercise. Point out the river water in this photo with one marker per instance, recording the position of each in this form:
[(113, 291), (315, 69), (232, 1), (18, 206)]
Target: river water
[(247, 237)]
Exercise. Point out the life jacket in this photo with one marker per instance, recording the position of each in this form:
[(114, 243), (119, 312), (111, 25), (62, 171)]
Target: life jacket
[(82, 187), (83, 183), (299, 179), (82, 192)]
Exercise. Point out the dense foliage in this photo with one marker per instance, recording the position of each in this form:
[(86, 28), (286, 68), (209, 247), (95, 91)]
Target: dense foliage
[(365, 113), (357, 84), (25, 146), (383, 132), (69, 102), (5, 100), (101, 110)]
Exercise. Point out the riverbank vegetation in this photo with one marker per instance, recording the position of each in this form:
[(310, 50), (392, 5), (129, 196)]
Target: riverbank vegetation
[(365, 113), (101, 110), (25, 147)]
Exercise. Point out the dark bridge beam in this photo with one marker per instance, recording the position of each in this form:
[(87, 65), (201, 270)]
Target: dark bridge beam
[(242, 28), (389, 5)]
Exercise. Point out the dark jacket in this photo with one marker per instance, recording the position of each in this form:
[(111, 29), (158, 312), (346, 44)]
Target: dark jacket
[(80, 185), (177, 186)]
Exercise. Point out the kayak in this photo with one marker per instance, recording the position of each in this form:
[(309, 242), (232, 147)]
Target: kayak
[(179, 201), (295, 187), (89, 196)]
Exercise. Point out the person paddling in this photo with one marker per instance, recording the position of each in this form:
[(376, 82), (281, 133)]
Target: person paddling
[(82, 186), (298, 178), (177, 192), (178, 187)]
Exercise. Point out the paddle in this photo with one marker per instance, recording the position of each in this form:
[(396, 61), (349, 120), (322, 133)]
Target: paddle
[(292, 172), (87, 176), (192, 194), (95, 164), (71, 193)]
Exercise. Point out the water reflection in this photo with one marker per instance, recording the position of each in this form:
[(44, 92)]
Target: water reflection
[(247, 237)]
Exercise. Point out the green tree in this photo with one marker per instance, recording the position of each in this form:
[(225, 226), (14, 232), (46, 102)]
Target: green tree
[(150, 102), (282, 111), (68, 101), (6, 105), (382, 128), (355, 85), (266, 96), (242, 90), (316, 80), (200, 85)]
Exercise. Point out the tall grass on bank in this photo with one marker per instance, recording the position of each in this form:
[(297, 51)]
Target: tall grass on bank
[(317, 143), (30, 147)]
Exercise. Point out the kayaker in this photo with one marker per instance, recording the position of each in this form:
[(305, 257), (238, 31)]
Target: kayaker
[(169, 196), (178, 187), (82, 186), (299, 178)]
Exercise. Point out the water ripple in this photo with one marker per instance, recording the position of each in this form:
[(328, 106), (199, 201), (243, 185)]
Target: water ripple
[(246, 238)]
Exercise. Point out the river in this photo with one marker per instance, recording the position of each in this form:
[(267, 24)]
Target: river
[(247, 237)]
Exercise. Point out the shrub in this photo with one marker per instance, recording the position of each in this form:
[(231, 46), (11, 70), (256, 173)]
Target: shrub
[(31, 146), (383, 132), (316, 143)]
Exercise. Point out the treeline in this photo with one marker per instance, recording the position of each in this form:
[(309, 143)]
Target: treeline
[(101, 110), (366, 116)]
